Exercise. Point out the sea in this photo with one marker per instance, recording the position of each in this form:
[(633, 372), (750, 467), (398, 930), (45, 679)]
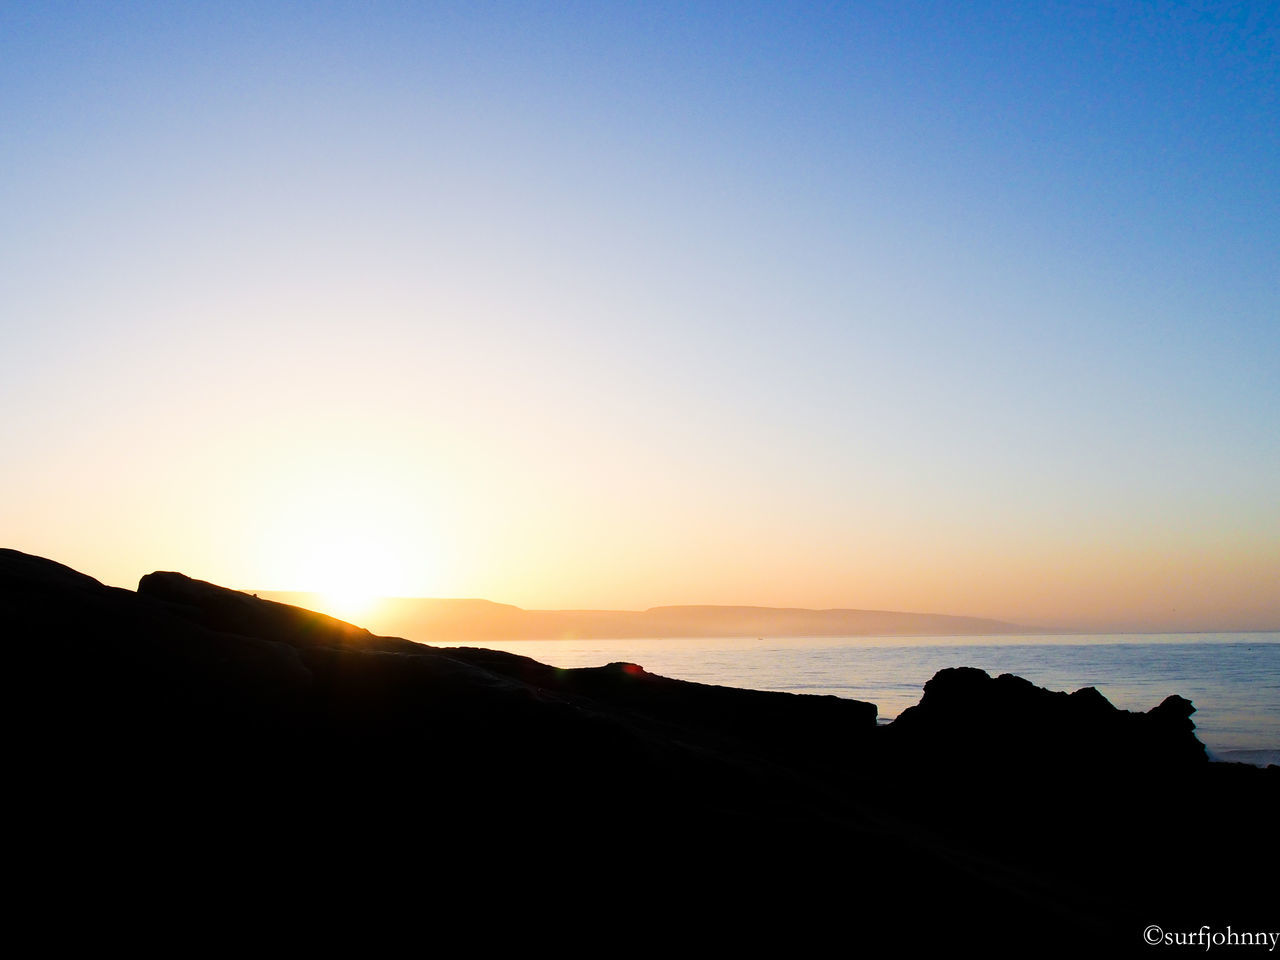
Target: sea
[(1233, 679)]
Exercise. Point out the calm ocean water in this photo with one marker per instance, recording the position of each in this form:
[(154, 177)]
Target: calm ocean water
[(1233, 679)]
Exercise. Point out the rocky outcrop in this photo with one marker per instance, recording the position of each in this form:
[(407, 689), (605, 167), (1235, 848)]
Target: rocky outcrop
[(969, 718)]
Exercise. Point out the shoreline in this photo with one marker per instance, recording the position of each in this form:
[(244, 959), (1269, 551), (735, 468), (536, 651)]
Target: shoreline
[(1254, 758), (1231, 714)]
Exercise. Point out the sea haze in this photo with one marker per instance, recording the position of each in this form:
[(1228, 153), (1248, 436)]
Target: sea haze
[(1232, 678)]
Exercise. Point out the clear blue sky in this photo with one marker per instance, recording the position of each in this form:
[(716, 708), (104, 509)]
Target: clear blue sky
[(969, 308)]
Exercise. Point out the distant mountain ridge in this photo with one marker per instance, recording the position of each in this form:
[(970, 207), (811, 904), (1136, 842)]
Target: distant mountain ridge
[(433, 619)]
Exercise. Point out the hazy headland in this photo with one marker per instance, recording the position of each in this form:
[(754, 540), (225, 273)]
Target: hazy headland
[(457, 620)]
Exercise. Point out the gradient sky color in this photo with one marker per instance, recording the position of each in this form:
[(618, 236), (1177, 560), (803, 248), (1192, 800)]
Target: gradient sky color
[(962, 308)]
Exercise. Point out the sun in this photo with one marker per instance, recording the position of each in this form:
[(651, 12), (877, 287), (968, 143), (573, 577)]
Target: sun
[(352, 607), (350, 533), (350, 568), (352, 603), (351, 571)]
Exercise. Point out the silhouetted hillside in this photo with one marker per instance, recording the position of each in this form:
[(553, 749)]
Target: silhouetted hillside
[(219, 764)]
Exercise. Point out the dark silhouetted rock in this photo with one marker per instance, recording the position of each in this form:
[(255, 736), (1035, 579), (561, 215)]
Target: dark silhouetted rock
[(231, 762), (977, 720)]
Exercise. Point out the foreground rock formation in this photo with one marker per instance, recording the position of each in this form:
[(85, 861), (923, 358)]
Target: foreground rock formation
[(196, 759)]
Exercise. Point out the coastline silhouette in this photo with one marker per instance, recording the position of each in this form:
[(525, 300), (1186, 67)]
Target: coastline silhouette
[(320, 752)]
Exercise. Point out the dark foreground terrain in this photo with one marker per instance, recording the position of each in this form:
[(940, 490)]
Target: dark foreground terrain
[(195, 767)]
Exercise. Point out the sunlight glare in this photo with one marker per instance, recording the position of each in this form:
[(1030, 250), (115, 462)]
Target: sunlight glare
[(351, 544)]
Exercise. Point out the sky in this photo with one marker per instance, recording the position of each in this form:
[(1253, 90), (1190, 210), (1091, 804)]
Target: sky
[(953, 308)]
